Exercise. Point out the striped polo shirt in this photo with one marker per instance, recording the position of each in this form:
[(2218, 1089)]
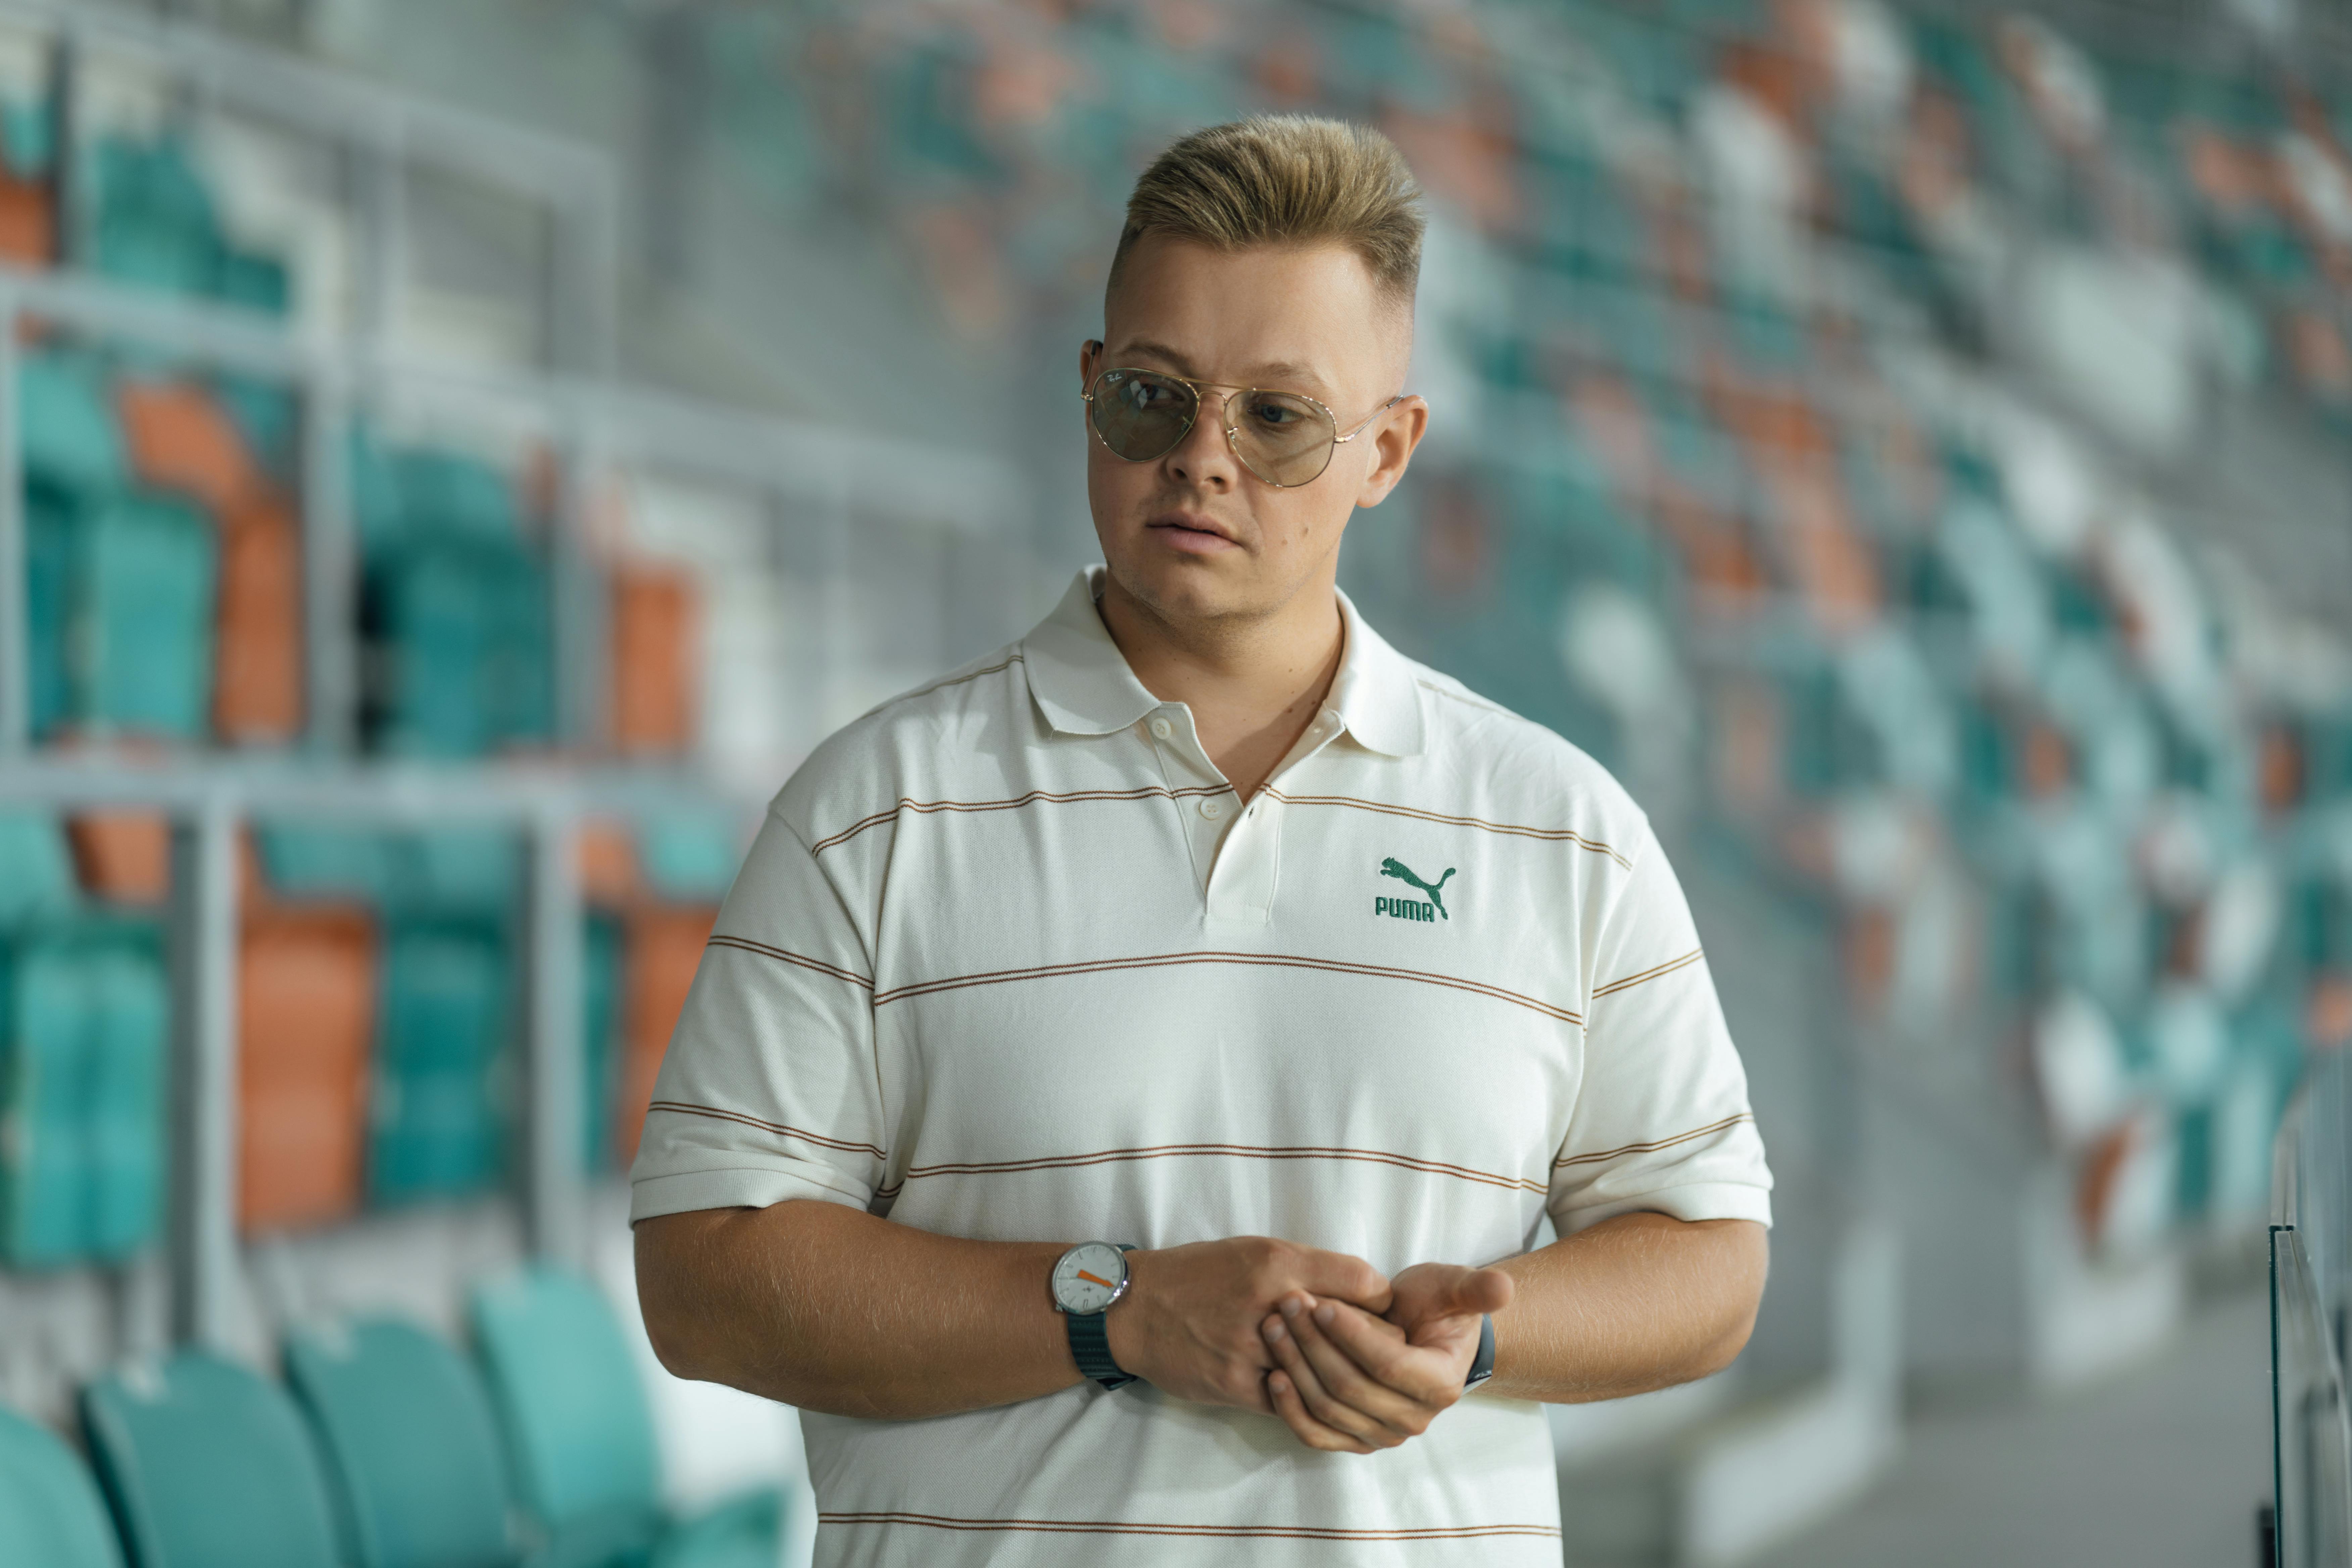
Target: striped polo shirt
[(1010, 959)]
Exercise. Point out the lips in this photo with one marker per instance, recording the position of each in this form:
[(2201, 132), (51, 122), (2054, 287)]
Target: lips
[(1192, 530)]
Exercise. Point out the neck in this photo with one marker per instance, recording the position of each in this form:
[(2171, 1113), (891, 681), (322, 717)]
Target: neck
[(1254, 685)]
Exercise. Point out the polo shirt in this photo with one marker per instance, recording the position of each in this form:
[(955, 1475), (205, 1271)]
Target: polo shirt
[(1010, 959)]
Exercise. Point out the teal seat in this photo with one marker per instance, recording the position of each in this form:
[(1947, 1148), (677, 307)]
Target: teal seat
[(51, 1513), (411, 1446), (144, 574), (437, 1127), (209, 1466), (65, 424), (689, 856), (36, 874), (579, 1432), (129, 1020), (45, 1083), (744, 1533)]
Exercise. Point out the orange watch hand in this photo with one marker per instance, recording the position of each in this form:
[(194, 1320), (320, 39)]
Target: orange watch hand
[(1104, 1283)]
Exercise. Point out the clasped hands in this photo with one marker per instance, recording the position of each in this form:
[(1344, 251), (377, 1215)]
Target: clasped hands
[(1351, 1361)]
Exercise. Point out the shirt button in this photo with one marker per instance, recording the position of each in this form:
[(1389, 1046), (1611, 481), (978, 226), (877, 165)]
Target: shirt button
[(1213, 809), (1162, 728)]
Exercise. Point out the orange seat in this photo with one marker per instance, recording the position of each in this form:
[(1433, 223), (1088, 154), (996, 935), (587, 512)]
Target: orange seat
[(664, 948), (28, 223), (257, 652), (306, 997), (182, 440), (124, 857), (655, 616)]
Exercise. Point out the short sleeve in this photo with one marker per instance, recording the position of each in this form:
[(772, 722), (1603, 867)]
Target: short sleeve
[(1660, 1121), (768, 1089)]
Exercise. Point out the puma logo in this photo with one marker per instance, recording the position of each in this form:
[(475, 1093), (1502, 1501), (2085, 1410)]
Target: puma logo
[(1393, 867)]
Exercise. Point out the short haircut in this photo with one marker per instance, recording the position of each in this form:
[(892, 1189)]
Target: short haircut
[(1285, 180)]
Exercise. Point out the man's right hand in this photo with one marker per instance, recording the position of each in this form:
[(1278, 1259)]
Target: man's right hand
[(1190, 1322)]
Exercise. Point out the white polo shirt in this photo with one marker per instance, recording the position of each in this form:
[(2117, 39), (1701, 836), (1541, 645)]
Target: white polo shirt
[(1011, 961)]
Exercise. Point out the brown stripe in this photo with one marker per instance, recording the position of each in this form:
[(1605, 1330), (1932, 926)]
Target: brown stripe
[(1125, 1527), (765, 950), (1666, 968), (715, 1114), (1149, 792), (941, 685), (1724, 1125), (1282, 961), (1555, 834), (1236, 1151)]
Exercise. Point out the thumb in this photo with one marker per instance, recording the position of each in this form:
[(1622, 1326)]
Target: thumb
[(1475, 1292)]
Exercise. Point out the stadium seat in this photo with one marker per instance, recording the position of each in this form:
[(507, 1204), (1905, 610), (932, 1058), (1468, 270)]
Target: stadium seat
[(144, 572), (128, 1020), (37, 876), (67, 426), (741, 1533), (208, 1466), (411, 1446), (51, 1513), (437, 1129), (306, 1013), (578, 1430), (43, 1092)]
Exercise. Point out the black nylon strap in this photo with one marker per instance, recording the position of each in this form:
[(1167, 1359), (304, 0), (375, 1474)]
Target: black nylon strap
[(1482, 1365), (1090, 1347)]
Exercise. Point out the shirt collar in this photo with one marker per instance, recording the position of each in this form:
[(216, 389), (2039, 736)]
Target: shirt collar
[(1083, 687)]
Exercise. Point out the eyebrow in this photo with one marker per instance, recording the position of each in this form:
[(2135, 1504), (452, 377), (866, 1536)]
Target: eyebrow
[(1275, 372)]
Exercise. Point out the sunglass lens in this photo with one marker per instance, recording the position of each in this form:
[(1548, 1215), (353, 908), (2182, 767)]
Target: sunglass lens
[(1140, 416), (1285, 439)]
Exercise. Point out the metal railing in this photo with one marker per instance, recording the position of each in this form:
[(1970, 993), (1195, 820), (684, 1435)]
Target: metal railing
[(2311, 1305)]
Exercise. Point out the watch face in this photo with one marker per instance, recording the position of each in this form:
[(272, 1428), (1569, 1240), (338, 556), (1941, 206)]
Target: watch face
[(1088, 1277)]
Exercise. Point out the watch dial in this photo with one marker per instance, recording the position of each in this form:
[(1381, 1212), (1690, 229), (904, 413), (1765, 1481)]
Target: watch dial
[(1087, 1277)]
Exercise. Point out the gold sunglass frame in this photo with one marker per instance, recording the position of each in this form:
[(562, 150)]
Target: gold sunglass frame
[(1200, 389)]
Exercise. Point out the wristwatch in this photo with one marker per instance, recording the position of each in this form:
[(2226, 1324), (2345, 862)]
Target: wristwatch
[(1087, 1281), (1482, 1365)]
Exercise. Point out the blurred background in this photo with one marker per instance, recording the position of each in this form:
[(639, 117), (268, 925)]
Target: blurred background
[(458, 455)]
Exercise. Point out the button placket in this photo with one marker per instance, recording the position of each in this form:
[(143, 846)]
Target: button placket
[(1240, 885), (1185, 769)]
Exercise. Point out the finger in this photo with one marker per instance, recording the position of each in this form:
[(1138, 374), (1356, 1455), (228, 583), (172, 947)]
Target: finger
[(1350, 1383), (1329, 1411), (1347, 1279), (1310, 1431), (1419, 1374)]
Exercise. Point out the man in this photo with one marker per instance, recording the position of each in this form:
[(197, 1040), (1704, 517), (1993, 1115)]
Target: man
[(1203, 923)]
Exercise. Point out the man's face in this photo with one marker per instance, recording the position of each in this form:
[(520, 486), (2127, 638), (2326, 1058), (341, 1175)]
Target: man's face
[(1195, 535)]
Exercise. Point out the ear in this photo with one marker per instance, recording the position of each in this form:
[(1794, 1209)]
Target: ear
[(1393, 439), (1089, 356)]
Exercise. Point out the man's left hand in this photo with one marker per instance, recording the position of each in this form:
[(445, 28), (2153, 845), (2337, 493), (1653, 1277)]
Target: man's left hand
[(1348, 1382)]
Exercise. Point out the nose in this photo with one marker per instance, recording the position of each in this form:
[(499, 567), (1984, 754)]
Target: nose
[(1204, 457)]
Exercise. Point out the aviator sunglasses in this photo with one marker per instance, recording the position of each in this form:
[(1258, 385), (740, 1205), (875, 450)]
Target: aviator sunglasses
[(1285, 438)]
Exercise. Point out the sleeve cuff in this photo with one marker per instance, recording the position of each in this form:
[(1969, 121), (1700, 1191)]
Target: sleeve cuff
[(1698, 1200), (742, 1187)]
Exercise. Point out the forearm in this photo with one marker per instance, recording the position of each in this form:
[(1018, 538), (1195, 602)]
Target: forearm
[(809, 1303), (1637, 1303)]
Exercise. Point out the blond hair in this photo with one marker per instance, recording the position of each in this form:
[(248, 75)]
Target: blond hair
[(1284, 179)]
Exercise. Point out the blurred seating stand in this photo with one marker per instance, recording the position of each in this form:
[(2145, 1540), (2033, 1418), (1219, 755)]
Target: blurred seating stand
[(315, 576)]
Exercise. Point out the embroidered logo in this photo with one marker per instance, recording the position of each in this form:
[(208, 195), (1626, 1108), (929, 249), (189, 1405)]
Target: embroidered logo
[(1411, 909)]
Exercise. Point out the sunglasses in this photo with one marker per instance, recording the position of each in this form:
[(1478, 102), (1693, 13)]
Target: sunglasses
[(1285, 438)]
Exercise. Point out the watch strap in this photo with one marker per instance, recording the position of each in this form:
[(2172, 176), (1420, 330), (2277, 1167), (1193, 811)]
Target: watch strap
[(1090, 1347), (1482, 1365)]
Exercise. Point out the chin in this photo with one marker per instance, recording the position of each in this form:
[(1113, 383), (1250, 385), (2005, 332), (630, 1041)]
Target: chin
[(1187, 588)]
